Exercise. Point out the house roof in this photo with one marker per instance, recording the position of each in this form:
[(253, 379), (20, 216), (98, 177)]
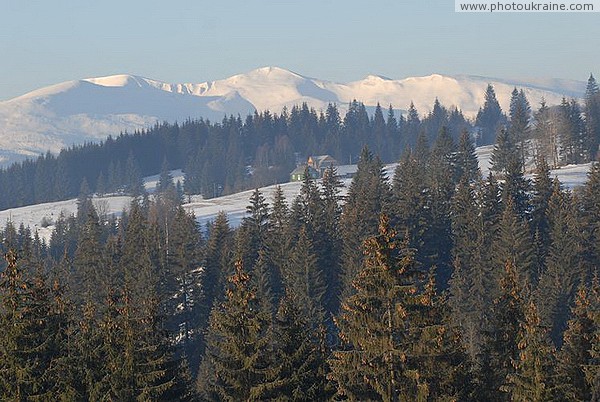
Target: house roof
[(299, 169)]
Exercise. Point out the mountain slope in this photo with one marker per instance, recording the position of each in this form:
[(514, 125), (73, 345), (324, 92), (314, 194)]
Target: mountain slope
[(91, 109)]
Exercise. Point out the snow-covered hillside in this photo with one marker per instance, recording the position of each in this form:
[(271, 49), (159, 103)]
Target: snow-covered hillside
[(91, 109), (41, 217)]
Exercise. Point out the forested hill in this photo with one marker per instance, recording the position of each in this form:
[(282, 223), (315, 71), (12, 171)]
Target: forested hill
[(223, 157), (450, 287), (237, 154)]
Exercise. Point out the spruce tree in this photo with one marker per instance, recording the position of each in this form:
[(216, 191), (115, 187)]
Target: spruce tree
[(508, 316), (216, 261), (574, 355), (303, 274), (368, 196), (437, 246), (298, 364), (542, 191), (278, 239), (592, 117), (331, 246), (520, 113), (564, 265), (467, 164), (513, 243), (237, 359), (184, 279), (369, 365), (534, 377), (490, 117), (146, 343), (28, 334)]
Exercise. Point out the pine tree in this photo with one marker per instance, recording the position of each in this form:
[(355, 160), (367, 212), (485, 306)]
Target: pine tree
[(331, 245), (217, 259), (145, 340), (278, 239), (592, 117), (165, 179), (513, 244), (236, 360), (505, 153), (413, 124), (437, 245), (369, 366), (253, 231), (542, 191), (490, 117), (508, 315), (28, 333), (184, 284), (410, 202), (133, 179), (574, 355), (466, 160), (534, 376), (564, 268), (590, 205), (368, 196), (303, 274), (520, 113), (298, 367), (88, 260)]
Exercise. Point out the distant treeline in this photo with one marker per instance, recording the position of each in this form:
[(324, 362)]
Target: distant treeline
[(236, 154)]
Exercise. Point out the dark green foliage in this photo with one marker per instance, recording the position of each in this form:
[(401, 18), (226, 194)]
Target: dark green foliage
[(183, 283), (298, 371), (236, 360), (534, 377), (508, 316), (505, 153), (367, 197), (563, 266), (436, 250), (253, 232), (331, 244), (574, 355), (395, 345), (592, 117), (542, 191), (489, 118), (466, 159), (513, 244), (30, 334), (370, 364), (520, 113), (216, 261), (303, 273)]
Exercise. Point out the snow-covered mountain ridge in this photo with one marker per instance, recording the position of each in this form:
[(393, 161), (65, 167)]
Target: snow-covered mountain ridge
[(91, 109)]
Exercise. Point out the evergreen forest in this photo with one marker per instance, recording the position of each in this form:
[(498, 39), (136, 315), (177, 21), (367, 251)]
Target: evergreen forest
[(436, 284)]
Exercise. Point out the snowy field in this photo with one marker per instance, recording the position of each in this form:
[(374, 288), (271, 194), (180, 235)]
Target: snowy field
[(41, 217)]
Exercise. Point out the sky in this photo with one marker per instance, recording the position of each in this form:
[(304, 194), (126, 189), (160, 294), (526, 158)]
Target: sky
[(47, 42)]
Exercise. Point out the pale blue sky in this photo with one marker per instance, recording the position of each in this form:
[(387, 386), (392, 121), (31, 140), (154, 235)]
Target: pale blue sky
[(44, 42)]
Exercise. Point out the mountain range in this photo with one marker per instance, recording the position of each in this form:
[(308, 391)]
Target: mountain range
[(74, 112)]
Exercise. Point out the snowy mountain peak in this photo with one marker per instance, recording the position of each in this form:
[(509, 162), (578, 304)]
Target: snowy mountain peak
[(376, 78), (91, 109), (120, 80)]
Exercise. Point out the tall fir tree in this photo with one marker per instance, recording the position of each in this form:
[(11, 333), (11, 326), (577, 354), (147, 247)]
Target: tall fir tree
[(592, 117), (237, 357), (489, 118), (534, 377), (574, 355), (368, 196)]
